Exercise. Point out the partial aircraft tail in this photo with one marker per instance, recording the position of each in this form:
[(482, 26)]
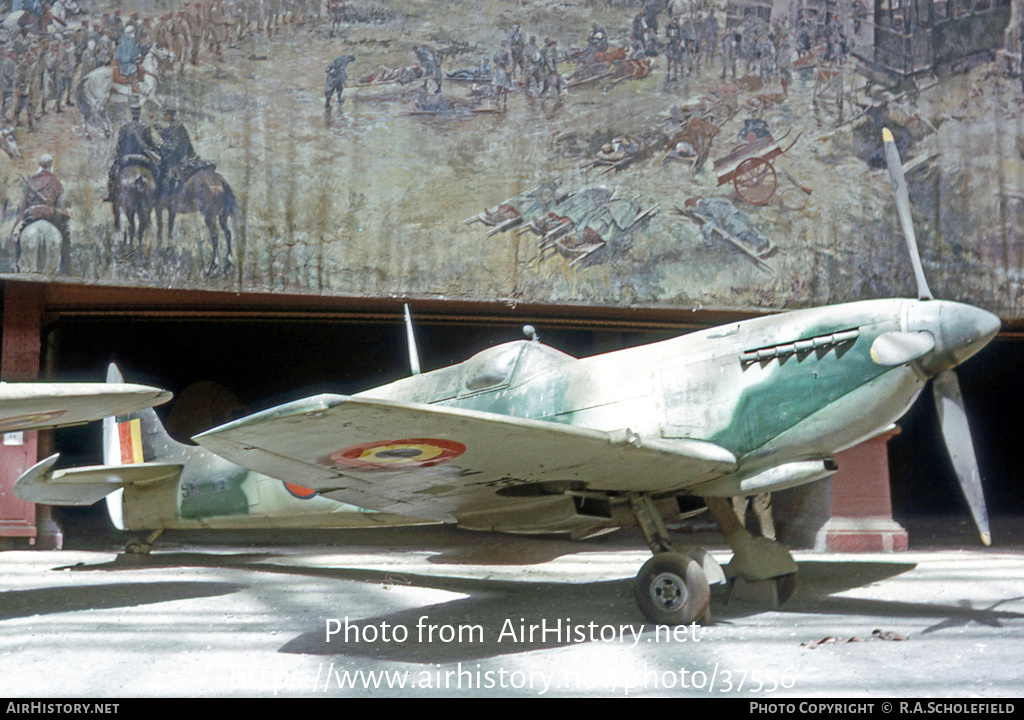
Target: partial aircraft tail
[(136, 451), (134, 439), (137, 437)]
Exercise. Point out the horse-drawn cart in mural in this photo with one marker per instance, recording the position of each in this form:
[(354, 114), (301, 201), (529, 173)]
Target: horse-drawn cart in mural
[(749, 168)]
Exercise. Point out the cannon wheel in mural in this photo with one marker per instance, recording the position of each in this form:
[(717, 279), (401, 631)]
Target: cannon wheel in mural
[(749, 168), (755, 181)]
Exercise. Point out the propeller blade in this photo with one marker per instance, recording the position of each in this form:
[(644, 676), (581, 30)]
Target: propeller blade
[(957, 434), (899, 189)]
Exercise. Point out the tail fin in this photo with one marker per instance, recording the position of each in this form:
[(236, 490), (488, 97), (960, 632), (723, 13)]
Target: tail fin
[(137, 437), (131, 439)]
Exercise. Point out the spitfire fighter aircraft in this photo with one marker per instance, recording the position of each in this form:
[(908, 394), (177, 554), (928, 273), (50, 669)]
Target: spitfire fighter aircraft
[(523, 438)]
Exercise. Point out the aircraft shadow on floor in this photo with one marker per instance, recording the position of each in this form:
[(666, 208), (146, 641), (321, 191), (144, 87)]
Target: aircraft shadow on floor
[(495, 616), (62, 599)]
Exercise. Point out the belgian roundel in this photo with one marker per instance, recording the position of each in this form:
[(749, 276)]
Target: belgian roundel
[(398, 454)]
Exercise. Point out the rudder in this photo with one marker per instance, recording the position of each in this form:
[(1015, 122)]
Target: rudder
[(132, 439)]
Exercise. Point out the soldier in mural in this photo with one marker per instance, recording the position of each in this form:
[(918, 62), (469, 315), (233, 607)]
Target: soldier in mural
[(503, 73), (549, 65), (337, 75), (517, 48), (673, 49), (28, 86), (128, 55), (709, 38), (534, 70), (766, 55), (8, 81), (132, 148), (336, 11), (63, 72), (88, 61), (105, 47), (172, 143), (597, 40), (194, 20), (431, 65), (180, 39), (43, 199), (731, 48)]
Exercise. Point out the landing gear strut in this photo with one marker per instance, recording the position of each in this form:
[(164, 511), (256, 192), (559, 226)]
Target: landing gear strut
[(672, 588), (756, 560)]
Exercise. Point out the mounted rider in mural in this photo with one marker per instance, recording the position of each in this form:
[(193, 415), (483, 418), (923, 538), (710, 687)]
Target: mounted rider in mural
[(33, 14), (132, 147), (178, 158), (128, 57), (165, 149), (43, 200)]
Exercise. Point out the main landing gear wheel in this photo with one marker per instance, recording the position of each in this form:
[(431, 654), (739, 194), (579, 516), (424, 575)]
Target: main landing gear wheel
[(672, 589)]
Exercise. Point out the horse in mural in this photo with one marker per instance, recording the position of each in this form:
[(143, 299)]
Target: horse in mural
[(134, 198), (53, 19), (207, 192), (97, 89), (39, 249)]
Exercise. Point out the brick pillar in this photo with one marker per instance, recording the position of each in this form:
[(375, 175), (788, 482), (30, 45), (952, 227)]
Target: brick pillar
[(861, 505), (19, 361)]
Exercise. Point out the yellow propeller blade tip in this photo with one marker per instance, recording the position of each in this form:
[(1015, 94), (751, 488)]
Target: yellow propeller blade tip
[(986, 539), (886, 135)]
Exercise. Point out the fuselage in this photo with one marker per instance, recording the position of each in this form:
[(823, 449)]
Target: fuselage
[(782, 394), (801, 384)]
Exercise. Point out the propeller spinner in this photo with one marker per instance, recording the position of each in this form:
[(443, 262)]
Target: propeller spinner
[(959, 331)]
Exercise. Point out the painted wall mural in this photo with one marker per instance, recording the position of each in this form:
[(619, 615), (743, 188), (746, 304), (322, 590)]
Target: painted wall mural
[(627, 153)]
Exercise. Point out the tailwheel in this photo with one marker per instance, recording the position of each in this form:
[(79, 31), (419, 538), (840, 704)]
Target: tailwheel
[(140, 546), (672, 589)]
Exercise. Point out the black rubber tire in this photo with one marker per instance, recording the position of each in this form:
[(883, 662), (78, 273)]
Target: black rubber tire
[(672, 589)]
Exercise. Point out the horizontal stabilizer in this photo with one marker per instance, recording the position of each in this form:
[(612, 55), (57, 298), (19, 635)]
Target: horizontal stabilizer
[(436, 462), (87, 485)]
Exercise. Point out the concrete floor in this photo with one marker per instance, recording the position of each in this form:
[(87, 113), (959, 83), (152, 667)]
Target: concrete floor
[(252, 620)]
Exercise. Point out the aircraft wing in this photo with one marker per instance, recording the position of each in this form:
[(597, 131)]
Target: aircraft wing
[(29, 406), (438, 462)]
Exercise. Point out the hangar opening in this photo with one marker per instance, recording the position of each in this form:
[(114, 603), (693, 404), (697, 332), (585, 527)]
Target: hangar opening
[(227, 362)]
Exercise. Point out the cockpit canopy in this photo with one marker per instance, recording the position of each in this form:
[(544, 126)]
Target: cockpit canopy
[(508, 365), (502, 366)]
